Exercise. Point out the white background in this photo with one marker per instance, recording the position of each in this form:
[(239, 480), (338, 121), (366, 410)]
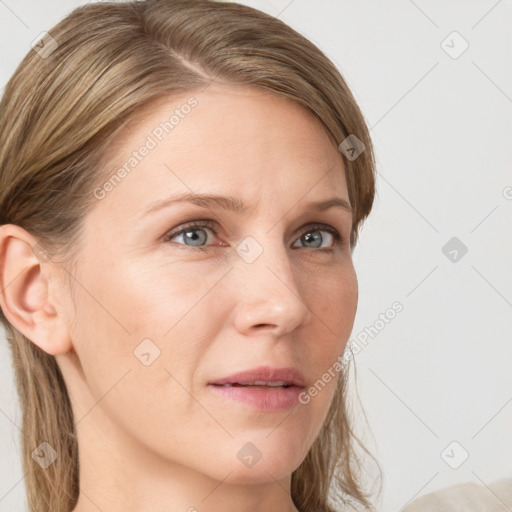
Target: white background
[(440, 370)]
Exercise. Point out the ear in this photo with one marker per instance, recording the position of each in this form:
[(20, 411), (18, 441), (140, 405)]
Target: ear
[(25, 275)]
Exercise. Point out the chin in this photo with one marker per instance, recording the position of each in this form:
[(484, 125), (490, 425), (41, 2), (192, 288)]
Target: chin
[(270, 462), (259, 474)]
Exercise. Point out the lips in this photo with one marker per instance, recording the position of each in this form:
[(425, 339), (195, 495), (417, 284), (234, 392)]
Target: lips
[(258, 383), (265, 389), (263, 376)]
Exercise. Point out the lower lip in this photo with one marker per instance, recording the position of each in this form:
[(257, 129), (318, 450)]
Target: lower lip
[(269, 399)]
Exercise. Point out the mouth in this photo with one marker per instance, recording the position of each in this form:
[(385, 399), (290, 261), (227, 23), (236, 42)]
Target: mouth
[(257, 384), (264, 376), (264, 388)]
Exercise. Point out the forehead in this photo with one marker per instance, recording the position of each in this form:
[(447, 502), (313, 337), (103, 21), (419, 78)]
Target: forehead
[(221, 113), (223, 139)]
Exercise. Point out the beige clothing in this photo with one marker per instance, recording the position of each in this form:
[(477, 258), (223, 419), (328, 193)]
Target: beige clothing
[(466, 497)]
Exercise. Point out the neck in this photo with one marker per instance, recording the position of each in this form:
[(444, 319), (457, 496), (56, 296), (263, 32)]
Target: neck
[(119, 475)]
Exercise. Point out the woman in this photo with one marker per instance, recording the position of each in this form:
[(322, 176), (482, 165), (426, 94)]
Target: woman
[(182, 185)]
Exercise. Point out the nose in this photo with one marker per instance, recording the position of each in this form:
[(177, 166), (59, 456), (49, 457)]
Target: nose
[(269, 296)]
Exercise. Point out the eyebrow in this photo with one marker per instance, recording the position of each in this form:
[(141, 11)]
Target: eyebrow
[(234, 204)]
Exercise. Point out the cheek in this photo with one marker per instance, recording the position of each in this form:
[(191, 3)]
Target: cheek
[(165, 297), (334, 319), (131, 314), (334, 303), (139, 344), (132, 300)]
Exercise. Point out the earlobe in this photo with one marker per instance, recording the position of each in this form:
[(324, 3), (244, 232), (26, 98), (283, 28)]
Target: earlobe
[(24, 292)]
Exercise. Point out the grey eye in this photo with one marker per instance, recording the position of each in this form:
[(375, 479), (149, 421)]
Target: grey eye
[(313, 238), (193, 236)]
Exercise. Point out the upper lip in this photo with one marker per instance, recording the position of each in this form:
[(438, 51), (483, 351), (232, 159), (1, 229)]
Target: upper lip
[(291, 376)]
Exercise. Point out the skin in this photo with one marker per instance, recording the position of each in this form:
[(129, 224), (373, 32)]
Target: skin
[(156, 437)]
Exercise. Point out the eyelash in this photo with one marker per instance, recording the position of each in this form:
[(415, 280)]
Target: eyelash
[(339, 240)]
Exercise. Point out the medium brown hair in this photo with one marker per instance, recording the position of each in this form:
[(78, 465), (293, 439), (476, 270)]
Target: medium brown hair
[(58, 117)]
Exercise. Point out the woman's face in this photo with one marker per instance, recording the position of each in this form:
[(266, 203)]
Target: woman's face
[(157, 316)]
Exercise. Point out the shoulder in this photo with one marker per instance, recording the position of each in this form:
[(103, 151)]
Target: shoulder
[(466, 497)]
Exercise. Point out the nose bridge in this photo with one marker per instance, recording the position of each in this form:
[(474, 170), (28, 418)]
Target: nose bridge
[(270, 293)]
